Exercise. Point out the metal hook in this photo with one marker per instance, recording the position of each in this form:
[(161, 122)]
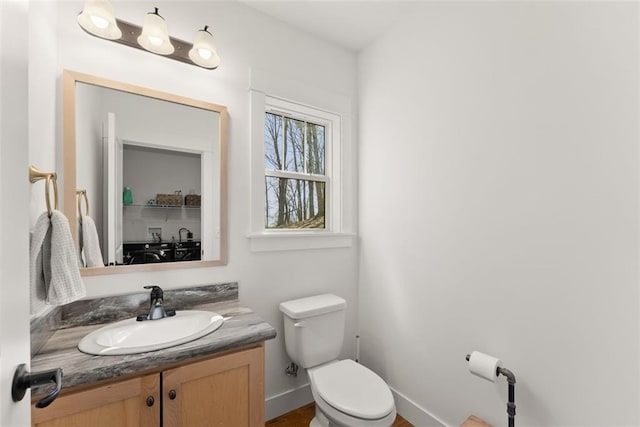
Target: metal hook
[(81, 194), (36, 175)]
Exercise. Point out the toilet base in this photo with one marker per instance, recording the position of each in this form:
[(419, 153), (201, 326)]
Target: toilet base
[(320, 420)]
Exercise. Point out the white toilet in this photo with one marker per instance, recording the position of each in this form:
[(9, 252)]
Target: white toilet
[(346, 393)]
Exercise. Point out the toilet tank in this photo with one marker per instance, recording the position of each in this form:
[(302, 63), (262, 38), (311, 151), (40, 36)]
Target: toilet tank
[(314, 328)]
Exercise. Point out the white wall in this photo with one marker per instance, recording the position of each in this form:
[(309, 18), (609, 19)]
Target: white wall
[(162, 123), (245, 39), (499, 209)]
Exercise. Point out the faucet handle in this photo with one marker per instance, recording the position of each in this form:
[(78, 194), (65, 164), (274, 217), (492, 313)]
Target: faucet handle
[(156, 291)]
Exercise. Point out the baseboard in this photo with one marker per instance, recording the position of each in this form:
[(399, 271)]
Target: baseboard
[(287, 401), (414, 413)]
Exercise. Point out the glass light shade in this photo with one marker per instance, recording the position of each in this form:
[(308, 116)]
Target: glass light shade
[(155, 35), (97, 18), (203, 52)]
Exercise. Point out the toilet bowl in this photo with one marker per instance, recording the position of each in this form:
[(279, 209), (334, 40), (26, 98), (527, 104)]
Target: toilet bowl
[(346, 393)]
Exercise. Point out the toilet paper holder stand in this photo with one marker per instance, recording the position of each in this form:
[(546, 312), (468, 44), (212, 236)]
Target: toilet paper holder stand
[(511, 380)]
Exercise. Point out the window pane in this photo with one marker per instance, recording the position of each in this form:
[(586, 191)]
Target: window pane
[(315, 148), (273, 137), (294, 203), (294, 145)]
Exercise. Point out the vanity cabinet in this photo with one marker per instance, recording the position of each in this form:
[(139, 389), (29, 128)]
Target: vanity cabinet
[(224, 390), (221, 392)]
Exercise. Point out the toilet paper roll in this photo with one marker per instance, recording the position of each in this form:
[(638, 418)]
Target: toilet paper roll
[(484, 366)]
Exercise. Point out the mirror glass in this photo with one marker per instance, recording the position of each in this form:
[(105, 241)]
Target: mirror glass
[(144, 177)]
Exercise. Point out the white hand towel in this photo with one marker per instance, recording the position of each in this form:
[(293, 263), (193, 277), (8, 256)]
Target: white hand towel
[(54, 263), (41, 233), (91, 253)]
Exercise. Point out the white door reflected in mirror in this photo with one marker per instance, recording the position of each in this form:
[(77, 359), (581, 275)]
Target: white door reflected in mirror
[(112, 224)]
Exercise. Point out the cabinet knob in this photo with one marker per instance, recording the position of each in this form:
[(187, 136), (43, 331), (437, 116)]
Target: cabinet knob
[(172, 394), (150, 401)]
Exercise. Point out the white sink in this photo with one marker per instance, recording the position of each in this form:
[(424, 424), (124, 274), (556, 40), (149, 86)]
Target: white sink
[(130, 336)]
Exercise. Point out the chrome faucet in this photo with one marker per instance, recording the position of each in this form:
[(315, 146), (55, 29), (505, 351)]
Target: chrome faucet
[(156, 306)]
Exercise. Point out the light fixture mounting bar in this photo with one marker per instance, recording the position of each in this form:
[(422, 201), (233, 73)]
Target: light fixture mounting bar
[(130, 33)]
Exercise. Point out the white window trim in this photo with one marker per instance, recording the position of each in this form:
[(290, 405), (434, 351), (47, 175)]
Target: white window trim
[(334, 235)]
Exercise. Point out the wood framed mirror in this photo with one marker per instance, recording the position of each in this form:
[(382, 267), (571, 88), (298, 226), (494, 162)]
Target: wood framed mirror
[(149, 169)]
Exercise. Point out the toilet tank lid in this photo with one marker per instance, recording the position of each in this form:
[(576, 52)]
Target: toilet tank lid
[(312, 306)]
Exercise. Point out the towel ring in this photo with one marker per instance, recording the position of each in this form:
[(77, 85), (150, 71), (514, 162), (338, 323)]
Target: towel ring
[(49, 177), (82, 194)]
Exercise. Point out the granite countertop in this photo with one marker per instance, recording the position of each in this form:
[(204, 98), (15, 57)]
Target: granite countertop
[(241, 328)]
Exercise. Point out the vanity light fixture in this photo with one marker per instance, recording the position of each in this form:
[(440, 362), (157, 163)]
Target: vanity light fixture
[(98, 19), (155, 35), (204, 51)]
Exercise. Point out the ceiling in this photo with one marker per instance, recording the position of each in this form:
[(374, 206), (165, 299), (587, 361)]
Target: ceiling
[(349, 24)]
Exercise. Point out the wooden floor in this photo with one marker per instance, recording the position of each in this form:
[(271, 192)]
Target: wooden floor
[(302, 417)]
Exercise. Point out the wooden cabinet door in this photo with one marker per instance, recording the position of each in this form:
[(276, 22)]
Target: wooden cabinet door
[(122, 404), (225, 391)]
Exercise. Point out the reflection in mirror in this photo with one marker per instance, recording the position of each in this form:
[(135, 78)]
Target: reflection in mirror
[(157, 226), (154, 170)]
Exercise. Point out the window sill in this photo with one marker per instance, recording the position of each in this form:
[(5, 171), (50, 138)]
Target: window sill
[(284, 241)]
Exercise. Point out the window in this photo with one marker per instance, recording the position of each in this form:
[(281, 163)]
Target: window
[(297, 188), (295, 172)]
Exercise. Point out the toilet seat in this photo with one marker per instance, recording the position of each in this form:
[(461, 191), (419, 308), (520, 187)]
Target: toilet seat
[(352, 389)]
